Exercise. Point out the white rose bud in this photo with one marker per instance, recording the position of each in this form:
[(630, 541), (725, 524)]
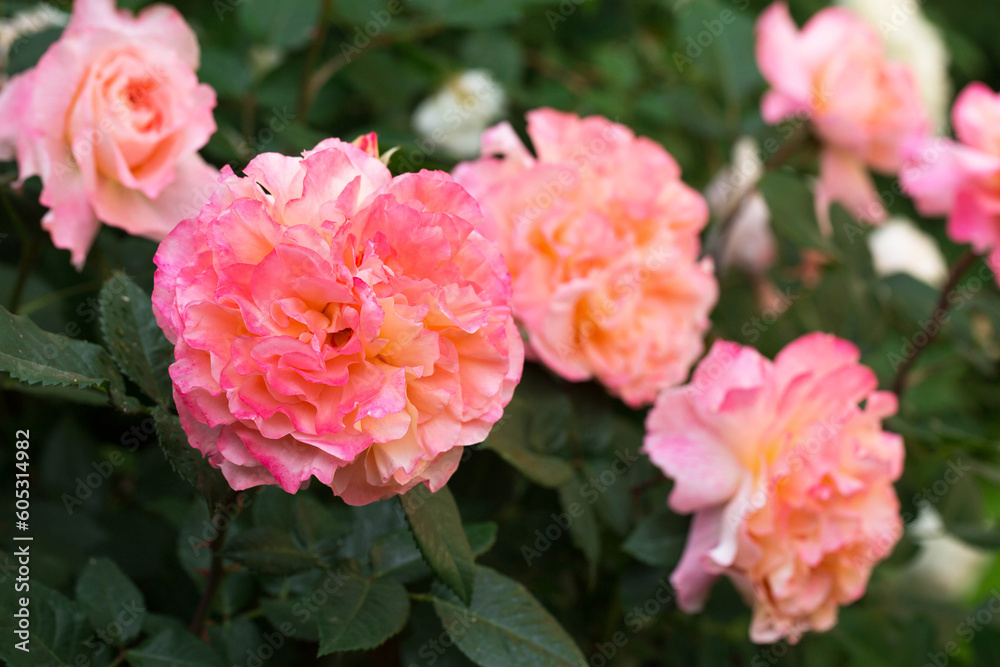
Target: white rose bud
[(454, 118), (899, 246)]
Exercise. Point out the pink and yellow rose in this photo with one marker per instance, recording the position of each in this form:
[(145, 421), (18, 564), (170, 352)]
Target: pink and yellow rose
[(961, 180), (862, 106), (789, 479), (601, 238), (333, 321), (111, 119)]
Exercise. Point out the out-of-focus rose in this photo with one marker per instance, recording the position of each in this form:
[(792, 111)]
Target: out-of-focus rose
[(961, 179), (331, 320), (601, 238), (749, 243), (111, 119), (454, 117), (899, 246), (912, 39), (862, 106), (789, 480)]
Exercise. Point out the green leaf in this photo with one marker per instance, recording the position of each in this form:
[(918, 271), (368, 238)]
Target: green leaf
[(422, 642), (235, 640), (658, 540), (977, 536), (793, 212), (472, 13), (362, 614), (33, 356), (482, 536), (397, 555), (174, 649), (110, 599), (316, 528), (368, 523), (495, 51), (547, 471), (578, 512), (505, 625), (288, 24), (134, 338), (437, 528), (268, 551), (27, 50), (534, 426), (288, 614), (58, 629), (188, 461), (226, 71)]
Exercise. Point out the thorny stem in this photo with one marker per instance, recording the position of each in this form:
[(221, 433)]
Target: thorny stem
[(943, 304), (215, 575)]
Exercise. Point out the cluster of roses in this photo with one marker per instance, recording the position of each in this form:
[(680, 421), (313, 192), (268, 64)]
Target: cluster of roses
[(332, 320)]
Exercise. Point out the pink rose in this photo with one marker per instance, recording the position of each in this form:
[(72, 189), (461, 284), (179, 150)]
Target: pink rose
[(111, 119), (601, 238), (331, 320), (789, 480), (834, 72), (961, 179)]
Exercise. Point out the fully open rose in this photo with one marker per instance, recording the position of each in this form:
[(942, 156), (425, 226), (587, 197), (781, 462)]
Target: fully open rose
[(333, 321), (789, 479), (863, 107), (111, 119), (601, 237)]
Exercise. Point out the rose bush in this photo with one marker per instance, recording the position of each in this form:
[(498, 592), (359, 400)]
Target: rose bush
[(302, 350)]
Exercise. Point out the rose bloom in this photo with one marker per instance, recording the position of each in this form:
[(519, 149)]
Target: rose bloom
[(863, 107), (789, 480), (333, 321), (601, 238), (961, 179), (111, 119)]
